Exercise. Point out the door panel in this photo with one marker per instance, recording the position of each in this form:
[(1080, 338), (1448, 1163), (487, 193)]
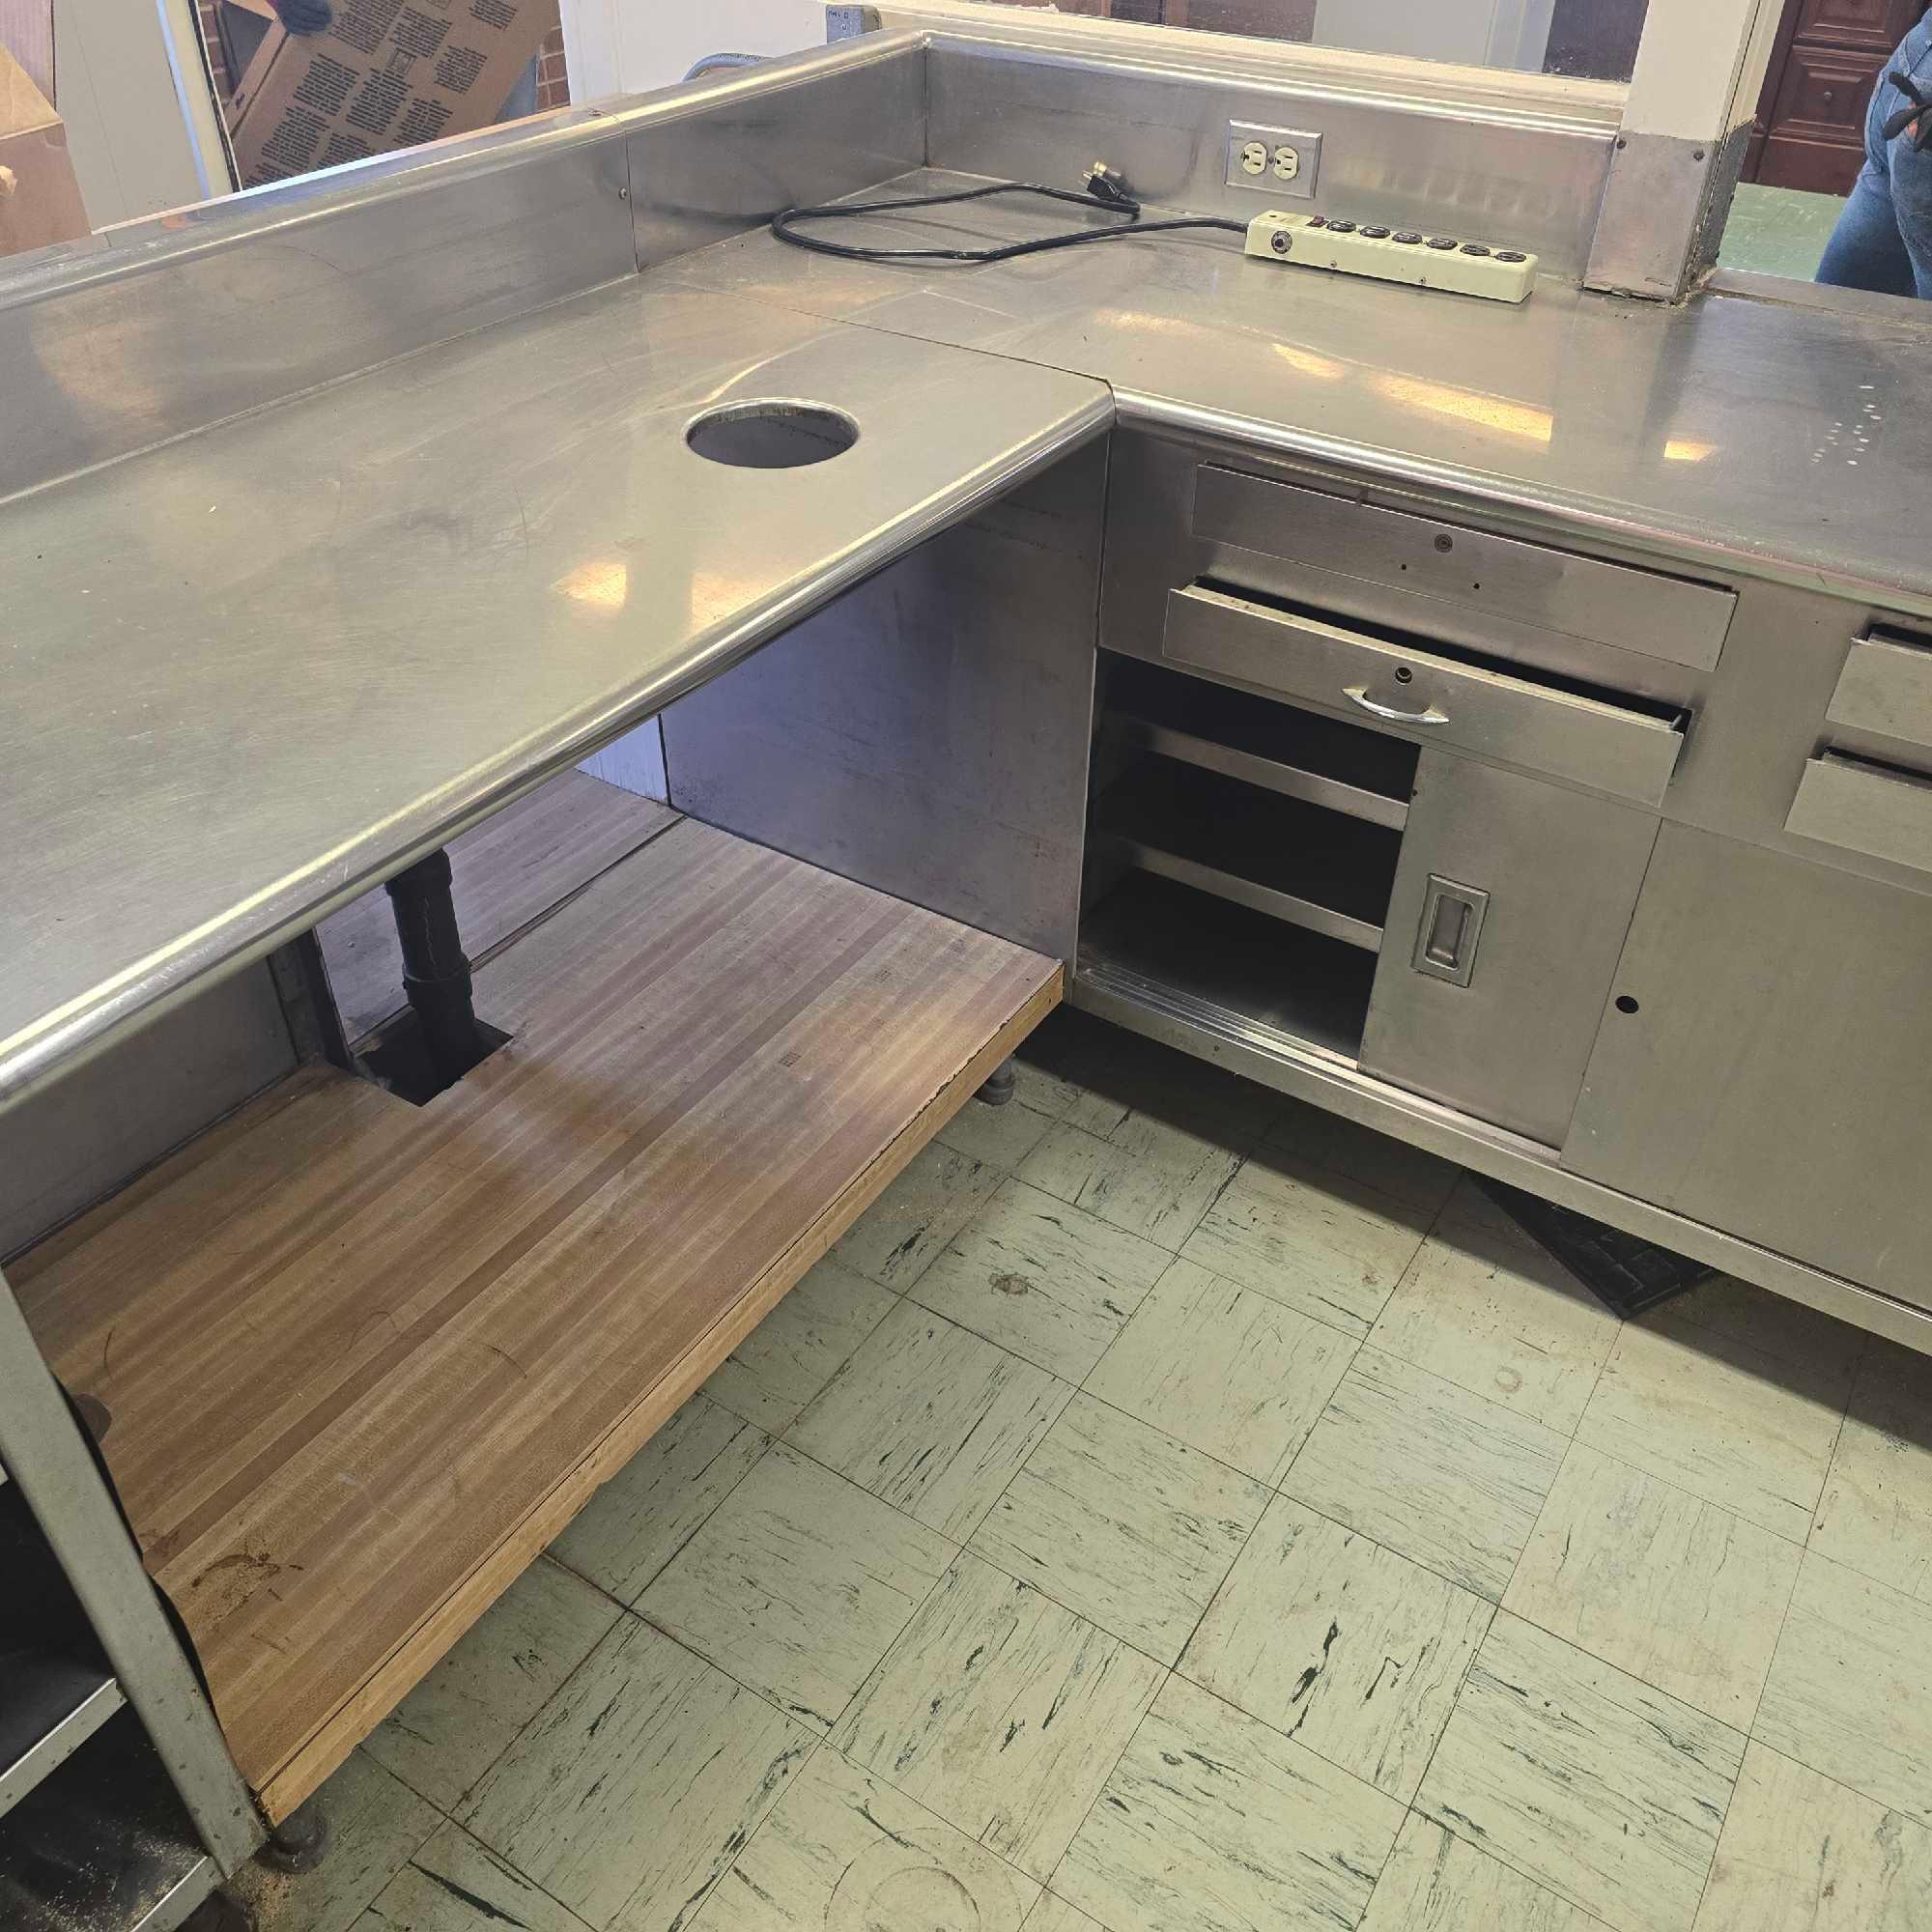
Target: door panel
[(1512, 902), (1828, 57), (1772, 1078)]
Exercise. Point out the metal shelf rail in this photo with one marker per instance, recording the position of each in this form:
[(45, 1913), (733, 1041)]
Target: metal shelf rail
[(103, 1845), (49, 1707)]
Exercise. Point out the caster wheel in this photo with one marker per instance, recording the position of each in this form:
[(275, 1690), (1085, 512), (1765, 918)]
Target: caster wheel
[(1001, 1087), (299, 1843)]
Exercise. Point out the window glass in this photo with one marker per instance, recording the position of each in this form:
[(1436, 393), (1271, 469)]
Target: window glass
[(310, 84), (1592, 40)]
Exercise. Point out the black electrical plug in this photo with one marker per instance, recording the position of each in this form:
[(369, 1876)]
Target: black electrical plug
[(1109, 186)]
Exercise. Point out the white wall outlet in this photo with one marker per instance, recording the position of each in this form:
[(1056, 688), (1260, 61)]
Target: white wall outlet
[(1277, 160)]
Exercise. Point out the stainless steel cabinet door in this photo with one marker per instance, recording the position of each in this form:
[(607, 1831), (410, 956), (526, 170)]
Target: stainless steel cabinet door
[(1775, 1078), (1512, 902)]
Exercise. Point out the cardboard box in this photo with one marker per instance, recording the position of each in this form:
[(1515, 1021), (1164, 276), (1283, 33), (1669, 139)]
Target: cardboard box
[(40, 198), (388, 73)]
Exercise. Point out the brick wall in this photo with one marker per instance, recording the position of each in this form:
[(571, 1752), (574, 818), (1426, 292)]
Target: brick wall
[(210, 32), (552, 83)]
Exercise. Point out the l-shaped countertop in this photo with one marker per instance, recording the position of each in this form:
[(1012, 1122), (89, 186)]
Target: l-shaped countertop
[(250, 673)]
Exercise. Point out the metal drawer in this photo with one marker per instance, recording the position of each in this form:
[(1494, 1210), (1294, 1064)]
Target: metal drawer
[(1415, 695), (1485, 580), (1870, 808), (1885, 687)]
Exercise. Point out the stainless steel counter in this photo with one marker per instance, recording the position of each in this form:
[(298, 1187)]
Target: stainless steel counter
[(251, 671), (256, 668), (1769, 437)]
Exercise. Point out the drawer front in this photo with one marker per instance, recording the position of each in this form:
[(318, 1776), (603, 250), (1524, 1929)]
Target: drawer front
[(1432, 700), (1885, 687), (1825, 91), (1868, 809), (1479, 577)]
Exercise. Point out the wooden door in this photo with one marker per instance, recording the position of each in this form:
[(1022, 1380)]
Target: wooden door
[(1812, 116)]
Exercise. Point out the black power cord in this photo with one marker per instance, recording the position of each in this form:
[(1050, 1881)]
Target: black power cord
[(1104, 189)]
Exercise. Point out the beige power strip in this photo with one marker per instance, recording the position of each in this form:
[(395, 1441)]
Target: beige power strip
[(1393, 255)]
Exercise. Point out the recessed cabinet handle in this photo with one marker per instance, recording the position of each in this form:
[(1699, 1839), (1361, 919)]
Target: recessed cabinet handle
[(1358, 695), (1451, 928)]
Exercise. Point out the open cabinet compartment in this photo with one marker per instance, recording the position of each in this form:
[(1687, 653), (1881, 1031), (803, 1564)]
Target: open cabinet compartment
[(1242, 856), (364, 1360), (1277, 747), (1295, 861), (103, 1843), (1168, 946)]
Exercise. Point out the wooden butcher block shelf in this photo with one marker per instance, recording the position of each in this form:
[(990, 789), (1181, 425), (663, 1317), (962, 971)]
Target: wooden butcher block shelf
[(364, 1360)]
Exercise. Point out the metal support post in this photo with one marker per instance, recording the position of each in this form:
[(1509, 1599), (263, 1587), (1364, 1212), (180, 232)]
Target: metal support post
[(45, 1454)]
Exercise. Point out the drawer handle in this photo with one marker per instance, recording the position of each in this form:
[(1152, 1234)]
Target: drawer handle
[(1358, 695)]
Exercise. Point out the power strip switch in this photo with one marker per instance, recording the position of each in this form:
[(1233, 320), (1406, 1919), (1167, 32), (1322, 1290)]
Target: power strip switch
[(1393, 255)]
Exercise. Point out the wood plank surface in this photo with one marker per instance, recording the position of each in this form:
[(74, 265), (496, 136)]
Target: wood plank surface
[(510, 872), (364, 1360)]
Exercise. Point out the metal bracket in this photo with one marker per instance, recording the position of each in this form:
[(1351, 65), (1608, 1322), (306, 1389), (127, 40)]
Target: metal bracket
[(45, 1453), (1663, 213), (309, 1002)]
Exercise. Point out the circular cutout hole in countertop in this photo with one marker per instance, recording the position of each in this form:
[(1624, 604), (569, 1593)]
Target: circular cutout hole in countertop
[(772, 434)]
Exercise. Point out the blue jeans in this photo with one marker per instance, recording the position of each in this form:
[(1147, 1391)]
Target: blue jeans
[(1883, 237)]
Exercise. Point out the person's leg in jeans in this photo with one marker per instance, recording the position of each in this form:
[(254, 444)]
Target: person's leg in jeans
[(1883, 237), (1912, 207), (1866, 250)]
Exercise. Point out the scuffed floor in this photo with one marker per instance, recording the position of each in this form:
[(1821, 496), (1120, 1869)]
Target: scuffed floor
[(1174, 1510)]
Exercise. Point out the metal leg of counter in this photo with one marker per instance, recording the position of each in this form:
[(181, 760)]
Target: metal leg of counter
[(45, 1454)]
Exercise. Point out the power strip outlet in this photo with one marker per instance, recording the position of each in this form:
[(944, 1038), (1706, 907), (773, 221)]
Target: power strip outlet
[(1393, 255)]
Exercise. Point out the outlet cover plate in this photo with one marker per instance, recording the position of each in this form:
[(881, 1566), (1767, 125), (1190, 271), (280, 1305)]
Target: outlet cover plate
[(1307, 146)]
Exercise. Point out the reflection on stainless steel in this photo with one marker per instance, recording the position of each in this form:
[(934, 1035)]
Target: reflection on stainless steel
[(1772, 1078), (709, 163), (1454, 399), (1468, 91), (1533, 177), (163, 325), (218, 317), (929, 733), (319, 640)]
